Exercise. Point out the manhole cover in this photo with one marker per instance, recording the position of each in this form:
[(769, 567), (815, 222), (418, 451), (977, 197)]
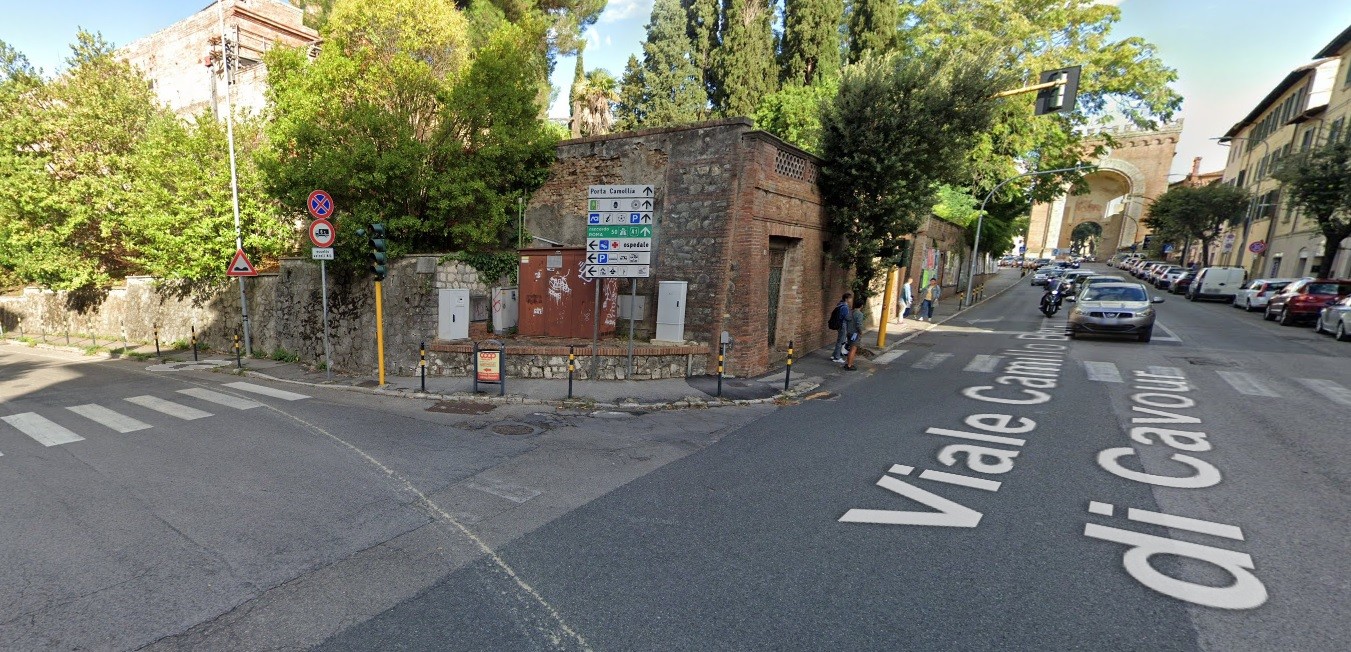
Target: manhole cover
[(462, 407), (1212, 362), (513, 429)]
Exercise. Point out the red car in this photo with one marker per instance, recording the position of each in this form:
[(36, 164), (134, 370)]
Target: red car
[(1302, 300)]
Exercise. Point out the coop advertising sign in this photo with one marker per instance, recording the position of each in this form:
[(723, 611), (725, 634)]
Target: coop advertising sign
[(489, 367)]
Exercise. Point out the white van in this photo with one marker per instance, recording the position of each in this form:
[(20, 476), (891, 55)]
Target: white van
[(1217, 283)]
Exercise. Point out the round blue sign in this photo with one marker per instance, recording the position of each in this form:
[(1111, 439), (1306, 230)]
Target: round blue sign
[(320, 204)]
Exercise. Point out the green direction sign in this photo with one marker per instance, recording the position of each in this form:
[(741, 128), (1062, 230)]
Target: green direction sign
[(606, 231)]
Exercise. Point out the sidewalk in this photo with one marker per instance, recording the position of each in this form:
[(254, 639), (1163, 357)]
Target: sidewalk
[(813, 374)]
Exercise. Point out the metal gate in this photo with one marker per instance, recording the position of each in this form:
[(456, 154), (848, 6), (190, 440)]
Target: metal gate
[(776, 256)]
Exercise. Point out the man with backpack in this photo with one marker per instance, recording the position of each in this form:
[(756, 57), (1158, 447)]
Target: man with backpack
[(839, 322)]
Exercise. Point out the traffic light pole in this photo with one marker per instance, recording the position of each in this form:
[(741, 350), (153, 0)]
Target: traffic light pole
[(380, 329)]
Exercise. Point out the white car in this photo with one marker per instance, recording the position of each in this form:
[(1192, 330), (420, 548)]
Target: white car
[(1336, 319), (1257, 292)]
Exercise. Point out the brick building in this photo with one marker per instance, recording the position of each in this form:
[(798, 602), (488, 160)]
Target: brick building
[(180, 65), (738, 216)]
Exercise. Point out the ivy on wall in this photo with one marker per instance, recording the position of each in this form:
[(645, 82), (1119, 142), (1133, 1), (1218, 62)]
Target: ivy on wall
[(490, 265)]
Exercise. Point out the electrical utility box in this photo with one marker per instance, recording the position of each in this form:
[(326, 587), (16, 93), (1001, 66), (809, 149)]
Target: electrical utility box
[(505, 309), (452, 314), (671, 311)]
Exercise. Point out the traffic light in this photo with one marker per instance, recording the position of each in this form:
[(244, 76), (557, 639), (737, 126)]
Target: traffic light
[(1059, 98), (1148, 239), (379, 258)]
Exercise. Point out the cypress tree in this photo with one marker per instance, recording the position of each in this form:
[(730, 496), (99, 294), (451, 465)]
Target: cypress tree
[(744, 65), (705, 23), (673, 87), (576, 96), (630, 109), (811, 40), (872, 27)]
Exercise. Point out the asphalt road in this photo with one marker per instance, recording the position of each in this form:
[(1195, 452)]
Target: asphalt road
[(988, 485)]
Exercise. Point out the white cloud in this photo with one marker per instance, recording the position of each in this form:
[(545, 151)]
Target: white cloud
[(1114, 3), (593, 39), (618, 10)]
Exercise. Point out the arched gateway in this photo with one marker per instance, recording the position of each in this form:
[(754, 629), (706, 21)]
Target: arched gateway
[(1128, 177)]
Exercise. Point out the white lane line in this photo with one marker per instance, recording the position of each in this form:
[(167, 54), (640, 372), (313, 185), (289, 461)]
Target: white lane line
[(1334, 392), (1171, 336), (267, 391), (931, 360), (168, 407), (220, 399), (889, 356), (102, 415), (1246, 384), (1103, 372), (42, 430), (984, 363), (1171, 372)]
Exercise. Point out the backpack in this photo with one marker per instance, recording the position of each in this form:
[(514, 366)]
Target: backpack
[(836, 320)]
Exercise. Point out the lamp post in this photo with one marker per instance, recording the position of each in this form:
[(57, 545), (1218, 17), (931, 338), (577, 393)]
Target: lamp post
[(980, 221), (1252, 201)]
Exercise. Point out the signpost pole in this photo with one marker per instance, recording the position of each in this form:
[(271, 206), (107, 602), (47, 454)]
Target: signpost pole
[(328, 351), (633, 301), (234, 174), (595, 334)]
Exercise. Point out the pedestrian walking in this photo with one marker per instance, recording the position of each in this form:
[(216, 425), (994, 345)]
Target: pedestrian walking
[(928, 298), (855, 332), (907, 297), (839, 322)]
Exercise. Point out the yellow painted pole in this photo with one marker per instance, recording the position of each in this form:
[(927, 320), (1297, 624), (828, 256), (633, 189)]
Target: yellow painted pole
[(380, 330), (887, 298)]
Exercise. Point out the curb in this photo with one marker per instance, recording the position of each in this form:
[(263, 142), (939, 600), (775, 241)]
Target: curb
[(950, 317)]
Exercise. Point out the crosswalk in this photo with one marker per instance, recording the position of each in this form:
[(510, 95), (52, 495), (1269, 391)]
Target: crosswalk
[(1241, 382), (47, 432)]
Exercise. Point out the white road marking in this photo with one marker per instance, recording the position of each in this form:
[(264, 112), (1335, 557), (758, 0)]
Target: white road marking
[(220, 399), (1171, 336), (1246, 384), (889, 356), (267, 391), (168, 407), (1103, 372), (41, 429), (102, 415), (1334, 392), (984, 363), (931, 360), (1171, 372)]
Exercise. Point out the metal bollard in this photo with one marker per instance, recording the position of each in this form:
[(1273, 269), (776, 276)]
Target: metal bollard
[(239, 361), (788, 372), (194, 343), (156, 329), (722, 348), (422, 363), (572, 366)]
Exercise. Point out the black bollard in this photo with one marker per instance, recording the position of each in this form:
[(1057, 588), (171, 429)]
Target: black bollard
[(572, 366), (239, 361), (157, 353), (194, 343), (788, 372), (422, 362), (721, 354)]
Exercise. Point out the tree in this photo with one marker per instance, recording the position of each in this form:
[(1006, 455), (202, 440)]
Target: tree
[(794, 113), (1198, 212), (744, 64), (1319, 184), (575, 95), (811, 41), (1083, 237), (631, 107), (401, 125), (872, 28), (594, 106), (898, 127), (704, 28), (671, 87)]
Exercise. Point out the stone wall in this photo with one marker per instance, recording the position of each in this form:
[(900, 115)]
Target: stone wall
[(612, 364)]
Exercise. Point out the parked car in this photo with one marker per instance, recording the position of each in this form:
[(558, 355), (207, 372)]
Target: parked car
[(1180, 285), (1166, 281), (1216, 283), (1335, 318), (1121, 308), (1257, 292), (1157, 274), (1303, 300)]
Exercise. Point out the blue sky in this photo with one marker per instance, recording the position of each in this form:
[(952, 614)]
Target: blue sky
[(1228, 53)]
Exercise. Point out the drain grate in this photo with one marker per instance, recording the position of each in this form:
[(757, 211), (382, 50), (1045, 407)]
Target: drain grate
[(513, 429), (1212, 362), (462, 407)]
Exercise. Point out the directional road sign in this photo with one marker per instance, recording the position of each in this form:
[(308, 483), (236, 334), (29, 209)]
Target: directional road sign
[(322, 233), (320, 205), (619, 229)]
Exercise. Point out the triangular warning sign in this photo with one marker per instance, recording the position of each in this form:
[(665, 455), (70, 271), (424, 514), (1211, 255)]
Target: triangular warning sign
[(240, 266)]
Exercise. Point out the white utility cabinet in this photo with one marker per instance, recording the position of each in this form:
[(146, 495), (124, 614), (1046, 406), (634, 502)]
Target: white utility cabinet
[(505, 309), (671, 311), (453, 314)]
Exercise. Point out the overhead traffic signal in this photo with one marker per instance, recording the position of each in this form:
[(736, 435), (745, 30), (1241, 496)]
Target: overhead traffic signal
[(1060, 97)]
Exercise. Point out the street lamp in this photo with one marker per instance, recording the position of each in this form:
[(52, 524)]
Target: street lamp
[(980, 221), (1252, 201)]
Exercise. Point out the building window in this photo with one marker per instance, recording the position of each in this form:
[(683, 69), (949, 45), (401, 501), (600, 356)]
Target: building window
[(1276, 266), (1307, 142), (1335, 131)]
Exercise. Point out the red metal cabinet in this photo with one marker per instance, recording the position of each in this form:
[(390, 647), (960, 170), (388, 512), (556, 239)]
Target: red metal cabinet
[(557, 301)]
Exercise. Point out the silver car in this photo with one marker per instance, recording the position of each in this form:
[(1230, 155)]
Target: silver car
[(1257, 292), (1336, 319), (1113, 309)]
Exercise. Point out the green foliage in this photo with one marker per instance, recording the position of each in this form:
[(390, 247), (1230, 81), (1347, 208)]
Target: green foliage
[(491, 265), (282, 355), (1084, 234), (956, 205), (872, 28), (1197, 212), (744, 65), (667, 89), (704, 22), (794, 113), (811, 41), (897, 128), (403, 127), (1319, 184)]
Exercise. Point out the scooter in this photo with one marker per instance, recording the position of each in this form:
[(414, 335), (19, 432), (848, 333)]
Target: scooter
[(1050, 302)]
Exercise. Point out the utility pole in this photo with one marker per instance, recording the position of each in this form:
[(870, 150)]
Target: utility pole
[(227, 61)]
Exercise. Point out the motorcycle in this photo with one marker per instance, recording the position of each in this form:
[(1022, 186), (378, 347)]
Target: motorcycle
[(1051, 300)]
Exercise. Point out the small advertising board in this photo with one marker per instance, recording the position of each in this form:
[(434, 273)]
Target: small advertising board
[(489, 359)]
